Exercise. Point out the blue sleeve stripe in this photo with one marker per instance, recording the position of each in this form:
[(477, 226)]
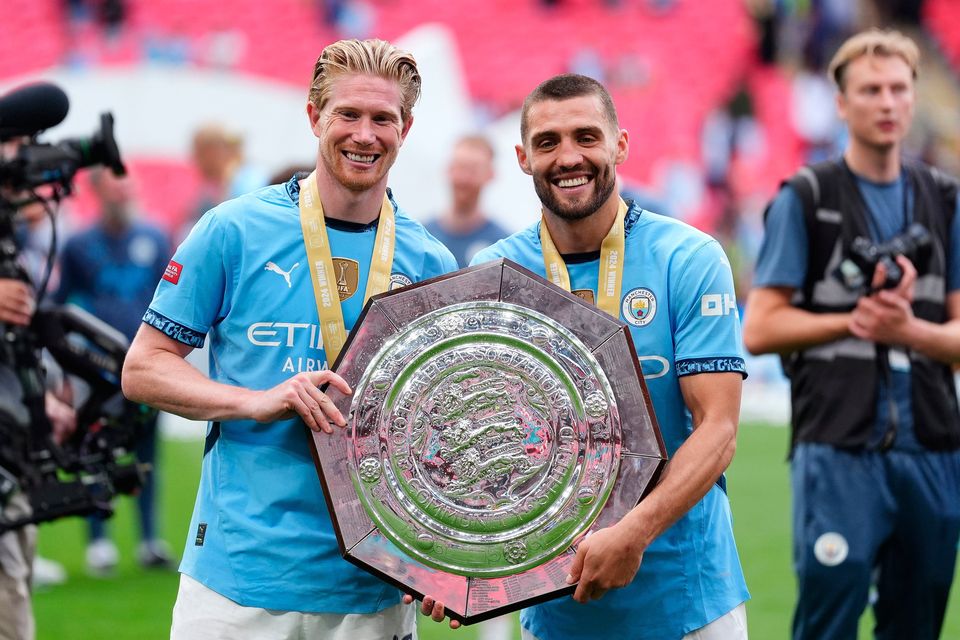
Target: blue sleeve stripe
[(175, 330), (711, 365)]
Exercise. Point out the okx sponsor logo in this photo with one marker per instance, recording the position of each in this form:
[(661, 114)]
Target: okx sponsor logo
[(716, 304)]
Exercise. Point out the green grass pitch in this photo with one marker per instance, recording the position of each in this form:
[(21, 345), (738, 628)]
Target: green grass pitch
[(136, 604)]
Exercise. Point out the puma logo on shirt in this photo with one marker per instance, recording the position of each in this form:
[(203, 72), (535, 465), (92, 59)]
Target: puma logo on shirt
[(272, 266)]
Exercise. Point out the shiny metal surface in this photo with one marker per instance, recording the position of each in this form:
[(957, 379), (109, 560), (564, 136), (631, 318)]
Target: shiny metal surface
[(495, 420)]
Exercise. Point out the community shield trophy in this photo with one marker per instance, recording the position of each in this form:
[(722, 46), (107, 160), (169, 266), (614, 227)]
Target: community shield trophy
[(495, 419)]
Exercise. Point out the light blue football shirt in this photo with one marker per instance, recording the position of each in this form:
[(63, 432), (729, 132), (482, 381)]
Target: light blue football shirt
[(260, 533), (678, 300)]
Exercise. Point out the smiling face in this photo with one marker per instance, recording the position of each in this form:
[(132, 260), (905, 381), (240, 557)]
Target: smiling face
[(360, 129), (572, 151), (877, 100)]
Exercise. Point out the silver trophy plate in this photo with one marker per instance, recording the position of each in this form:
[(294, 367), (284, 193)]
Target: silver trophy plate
[(495, 420)]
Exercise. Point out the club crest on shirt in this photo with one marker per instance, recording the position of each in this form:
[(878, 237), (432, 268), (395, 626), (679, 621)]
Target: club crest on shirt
[(831, 549), (639, 306), (347, 274), (398, 281), (585, 295)]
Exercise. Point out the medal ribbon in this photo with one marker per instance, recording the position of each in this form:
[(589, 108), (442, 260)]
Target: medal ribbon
[(610, 281), (320, 261)]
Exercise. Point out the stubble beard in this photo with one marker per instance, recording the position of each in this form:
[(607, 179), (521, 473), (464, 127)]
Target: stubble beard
[(604, 184), (337, 168)]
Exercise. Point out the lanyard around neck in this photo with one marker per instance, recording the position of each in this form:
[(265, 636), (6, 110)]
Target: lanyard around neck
[(610, 281), (320, 261)]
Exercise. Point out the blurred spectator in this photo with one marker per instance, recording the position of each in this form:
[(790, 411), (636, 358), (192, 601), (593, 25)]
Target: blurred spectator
[(586, 61), (112, 14), (169, 46), (350, 18), (904, 12), (463, 227), (111, 270), (245, 176), (104, 20), (766, 16), (224, 172), (213, 159), (832, 22)]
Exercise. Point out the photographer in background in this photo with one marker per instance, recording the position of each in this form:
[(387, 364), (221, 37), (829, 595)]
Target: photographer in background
[(875, 466)]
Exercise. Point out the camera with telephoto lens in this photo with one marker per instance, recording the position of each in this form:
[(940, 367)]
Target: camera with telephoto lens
[(83, 474), (857, 269)]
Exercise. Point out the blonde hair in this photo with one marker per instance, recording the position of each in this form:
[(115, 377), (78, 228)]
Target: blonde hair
[(371, 57), (874, 42)]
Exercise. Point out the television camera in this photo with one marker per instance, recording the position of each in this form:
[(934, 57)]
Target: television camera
[(81, 475)]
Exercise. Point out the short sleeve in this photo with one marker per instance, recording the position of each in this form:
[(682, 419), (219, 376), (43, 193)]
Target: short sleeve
[(486, 255), (782, 261), (442, 262), (190, 296), (163, 253), (707, 333)]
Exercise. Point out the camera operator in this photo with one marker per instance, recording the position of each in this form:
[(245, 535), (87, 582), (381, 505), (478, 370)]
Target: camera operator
[(27, 388), (18, 547), (875, 466)]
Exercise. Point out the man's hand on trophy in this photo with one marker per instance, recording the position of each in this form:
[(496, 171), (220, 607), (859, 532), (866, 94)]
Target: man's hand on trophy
[(16, 302), (606, 559), (430, 607), (301, 395)]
